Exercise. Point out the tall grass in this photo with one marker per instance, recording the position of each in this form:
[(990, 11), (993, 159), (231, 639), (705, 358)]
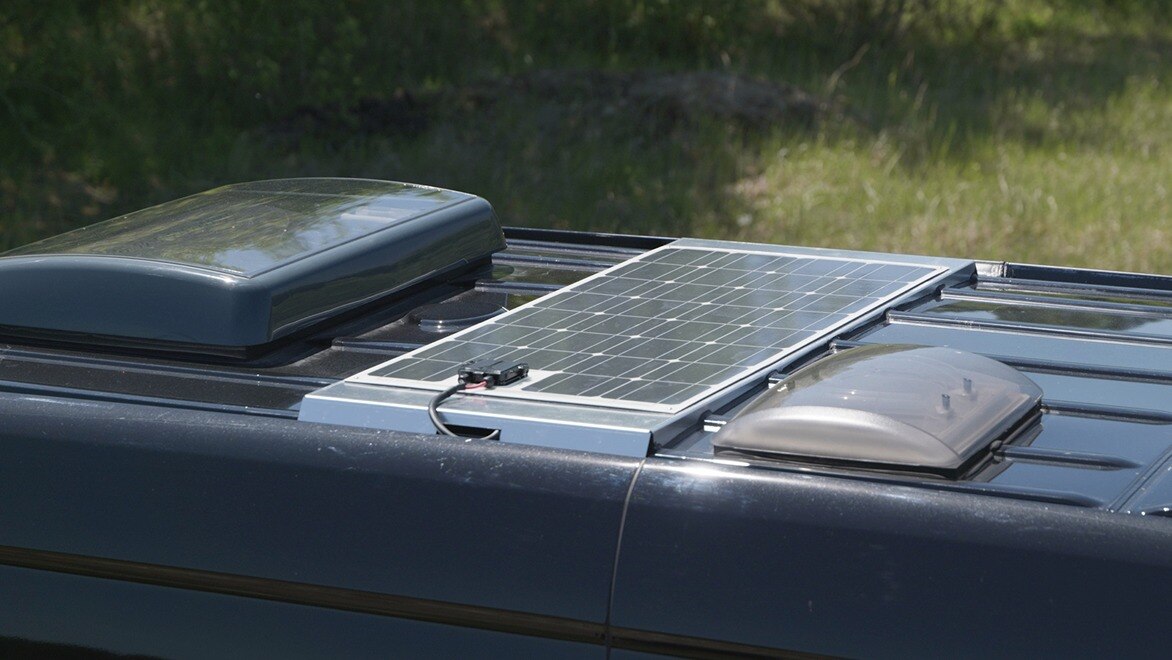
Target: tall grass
[(1033, 130)]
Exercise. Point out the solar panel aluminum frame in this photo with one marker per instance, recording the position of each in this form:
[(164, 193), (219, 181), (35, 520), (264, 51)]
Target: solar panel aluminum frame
[(933, 268), (540, 423)]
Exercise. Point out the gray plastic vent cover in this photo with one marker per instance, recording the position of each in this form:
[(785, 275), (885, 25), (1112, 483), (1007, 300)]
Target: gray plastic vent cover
[(919, 408), (244, 264)]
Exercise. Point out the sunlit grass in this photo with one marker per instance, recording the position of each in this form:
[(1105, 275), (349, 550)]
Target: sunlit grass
[(1082, 180), (1083, 208)]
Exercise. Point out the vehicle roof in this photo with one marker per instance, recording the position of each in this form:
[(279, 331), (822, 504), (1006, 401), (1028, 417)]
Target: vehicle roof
[(1095, 341)]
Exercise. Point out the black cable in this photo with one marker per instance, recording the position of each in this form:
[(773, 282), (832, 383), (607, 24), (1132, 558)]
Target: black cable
[(433, 413), (432, 407)]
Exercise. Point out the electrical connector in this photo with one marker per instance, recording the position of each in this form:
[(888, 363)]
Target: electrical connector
[(484, 373), (492, 372)]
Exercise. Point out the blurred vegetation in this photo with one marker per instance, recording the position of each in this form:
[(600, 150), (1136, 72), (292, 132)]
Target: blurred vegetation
[(1032, 130)]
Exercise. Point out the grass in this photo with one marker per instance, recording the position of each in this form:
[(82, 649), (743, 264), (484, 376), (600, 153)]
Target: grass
[(1027, 130), (1066, 204)]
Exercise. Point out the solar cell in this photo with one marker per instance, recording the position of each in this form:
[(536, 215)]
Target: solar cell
[(665, 329)]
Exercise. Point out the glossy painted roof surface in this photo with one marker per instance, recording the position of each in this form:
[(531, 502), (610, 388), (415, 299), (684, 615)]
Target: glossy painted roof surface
[(1098, 344)]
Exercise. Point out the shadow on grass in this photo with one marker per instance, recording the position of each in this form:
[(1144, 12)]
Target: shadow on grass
[(620, 132), (638, 152)]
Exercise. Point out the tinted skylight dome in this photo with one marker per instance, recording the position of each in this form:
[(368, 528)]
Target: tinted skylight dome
[(920, 408), (244, 264)]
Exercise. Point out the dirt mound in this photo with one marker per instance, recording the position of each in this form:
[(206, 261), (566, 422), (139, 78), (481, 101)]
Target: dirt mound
[(659, 96), (691, 95)]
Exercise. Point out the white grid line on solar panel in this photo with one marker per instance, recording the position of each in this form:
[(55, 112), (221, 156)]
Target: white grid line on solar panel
[(587, 343), (753, 326), (666, 329)]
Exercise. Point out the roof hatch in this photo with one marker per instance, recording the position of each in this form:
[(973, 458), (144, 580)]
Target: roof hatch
[(243, 265), (908, 408)]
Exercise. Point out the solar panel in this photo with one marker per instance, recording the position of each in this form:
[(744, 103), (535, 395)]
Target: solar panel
[(665, 329)]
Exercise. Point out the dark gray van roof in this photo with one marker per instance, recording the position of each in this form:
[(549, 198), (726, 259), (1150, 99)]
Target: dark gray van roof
[(1096, 343)]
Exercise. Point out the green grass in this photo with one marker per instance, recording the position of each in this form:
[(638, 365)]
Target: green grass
[(1028, 130)]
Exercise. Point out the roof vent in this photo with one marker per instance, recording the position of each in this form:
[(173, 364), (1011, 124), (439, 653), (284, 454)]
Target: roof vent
[(905, 408), (242, 265)]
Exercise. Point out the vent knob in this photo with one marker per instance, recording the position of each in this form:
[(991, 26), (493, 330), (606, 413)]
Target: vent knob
[(453, 316)]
